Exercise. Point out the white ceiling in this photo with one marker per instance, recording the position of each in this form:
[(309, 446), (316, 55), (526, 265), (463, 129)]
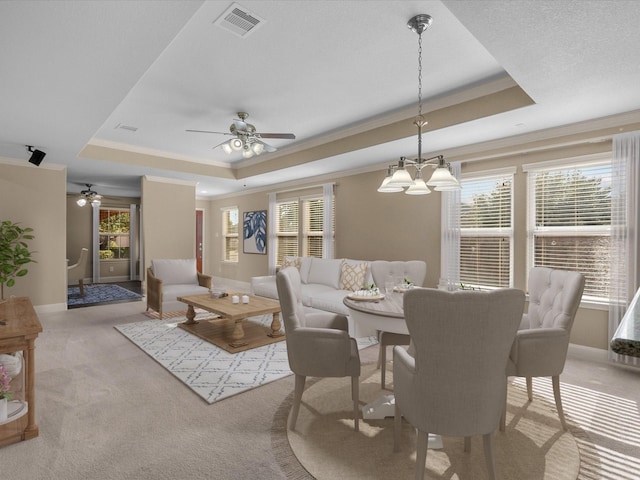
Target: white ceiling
[(72, 72)]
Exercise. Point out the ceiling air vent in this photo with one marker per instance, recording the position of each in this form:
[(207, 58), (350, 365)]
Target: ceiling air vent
[(238, 20)]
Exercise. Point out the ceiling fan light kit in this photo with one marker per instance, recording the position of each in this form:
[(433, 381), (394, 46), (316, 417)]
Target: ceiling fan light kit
[(246, 140), (89, 196), (398, 178)]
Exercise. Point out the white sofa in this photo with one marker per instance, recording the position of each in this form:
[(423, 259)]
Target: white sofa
[(168, 279), (325, 282)]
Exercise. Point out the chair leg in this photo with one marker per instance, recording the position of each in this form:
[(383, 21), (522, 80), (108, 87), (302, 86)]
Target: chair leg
[(355, 395), (503, 417), (467, 444), (297, 398), (530, 388), (81, 285), (397, 427), (555, 380), (379, 349), (489, 454), (421, 454), (383, 362)]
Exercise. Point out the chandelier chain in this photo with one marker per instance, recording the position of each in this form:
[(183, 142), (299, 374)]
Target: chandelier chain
[(420, 77)]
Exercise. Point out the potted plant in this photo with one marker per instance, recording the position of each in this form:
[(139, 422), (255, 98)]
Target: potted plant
[(14, 253)]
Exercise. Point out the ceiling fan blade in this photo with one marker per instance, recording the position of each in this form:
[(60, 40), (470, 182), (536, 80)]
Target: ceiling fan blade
[(289, 136), (207, 131)]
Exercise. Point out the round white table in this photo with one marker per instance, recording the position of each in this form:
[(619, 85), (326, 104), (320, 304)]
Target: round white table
[(386, 315)]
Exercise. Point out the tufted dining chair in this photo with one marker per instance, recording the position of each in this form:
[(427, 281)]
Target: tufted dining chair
[(542, 341), (76, 272), (416, 271), (455, 385), (318, 344)]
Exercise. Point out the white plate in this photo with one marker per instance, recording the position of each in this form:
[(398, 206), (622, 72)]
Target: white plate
[(365, 298)]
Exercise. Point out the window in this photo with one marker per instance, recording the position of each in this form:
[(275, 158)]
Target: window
[(230, 234), (287, 229), (486, 229), (569, 220), (113, 230), (299, 227), (312, 232)]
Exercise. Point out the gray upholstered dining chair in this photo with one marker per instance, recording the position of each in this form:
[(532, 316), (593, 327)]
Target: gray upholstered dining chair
[(542, 341), (318, 344), (76, 272), (455, 385), (414, 270)]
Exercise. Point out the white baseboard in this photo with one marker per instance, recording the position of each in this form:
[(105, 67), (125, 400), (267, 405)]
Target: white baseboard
[(582, 352)]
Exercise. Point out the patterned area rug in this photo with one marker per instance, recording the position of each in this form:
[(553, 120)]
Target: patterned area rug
[(209, 371), (96, 294), (533, 447)]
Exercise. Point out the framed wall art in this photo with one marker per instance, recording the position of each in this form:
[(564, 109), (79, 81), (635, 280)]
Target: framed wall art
[(254, 232)]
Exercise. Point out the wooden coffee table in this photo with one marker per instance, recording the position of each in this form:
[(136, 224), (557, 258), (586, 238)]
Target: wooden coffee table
[(229, 330)]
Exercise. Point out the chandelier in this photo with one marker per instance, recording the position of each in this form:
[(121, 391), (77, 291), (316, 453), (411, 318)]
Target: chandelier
[(398, 177), (89, 196)]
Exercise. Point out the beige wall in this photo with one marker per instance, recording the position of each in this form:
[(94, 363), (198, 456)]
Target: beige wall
[(248, 265), (35, 197), (168, 219), (372, 225), (79, 235)]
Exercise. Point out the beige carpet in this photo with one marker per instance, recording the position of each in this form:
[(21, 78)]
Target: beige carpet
[(324, 442)]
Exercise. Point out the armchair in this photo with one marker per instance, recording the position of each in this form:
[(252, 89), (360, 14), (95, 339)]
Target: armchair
[(318, 344), (542, 341), (416, 271), (76, 272), (168, 279), (456, 384)]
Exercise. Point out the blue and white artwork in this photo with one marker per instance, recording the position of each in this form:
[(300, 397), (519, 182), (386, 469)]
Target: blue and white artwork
[(254, 230)]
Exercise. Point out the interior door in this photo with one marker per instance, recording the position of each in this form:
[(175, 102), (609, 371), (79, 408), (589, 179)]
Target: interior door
[(199, 220)]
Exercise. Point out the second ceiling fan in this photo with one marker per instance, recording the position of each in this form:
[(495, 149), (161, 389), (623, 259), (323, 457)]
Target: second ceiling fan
[(246, 139)]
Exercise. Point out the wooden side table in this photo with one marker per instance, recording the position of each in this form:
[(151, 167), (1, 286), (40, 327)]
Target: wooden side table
[(19, 328)]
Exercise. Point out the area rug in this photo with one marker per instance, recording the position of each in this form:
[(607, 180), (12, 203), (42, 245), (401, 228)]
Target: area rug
[(533, 447), (97, 294), (206, 369)]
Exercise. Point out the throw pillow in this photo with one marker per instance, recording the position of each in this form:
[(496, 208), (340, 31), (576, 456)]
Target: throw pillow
[(352, 276), (291, 262)]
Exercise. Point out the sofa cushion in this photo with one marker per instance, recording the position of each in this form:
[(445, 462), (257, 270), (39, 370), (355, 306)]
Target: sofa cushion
[(331, 301), (325, 272), (176, 271), (305, 266), (266, 288), (352, 276)]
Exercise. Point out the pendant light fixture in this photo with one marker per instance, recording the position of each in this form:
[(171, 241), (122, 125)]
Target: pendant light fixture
[(89, 196), (398, 177)]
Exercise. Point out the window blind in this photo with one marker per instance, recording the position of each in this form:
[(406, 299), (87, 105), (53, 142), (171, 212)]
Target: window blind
[(570, 222), (230, 233), (313, 227), (287, 229), (486, 231)]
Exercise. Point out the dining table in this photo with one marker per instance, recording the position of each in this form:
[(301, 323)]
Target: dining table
[(383, 313)]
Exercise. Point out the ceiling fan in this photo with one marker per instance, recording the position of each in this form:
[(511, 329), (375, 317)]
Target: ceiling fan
[(246, 139)]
